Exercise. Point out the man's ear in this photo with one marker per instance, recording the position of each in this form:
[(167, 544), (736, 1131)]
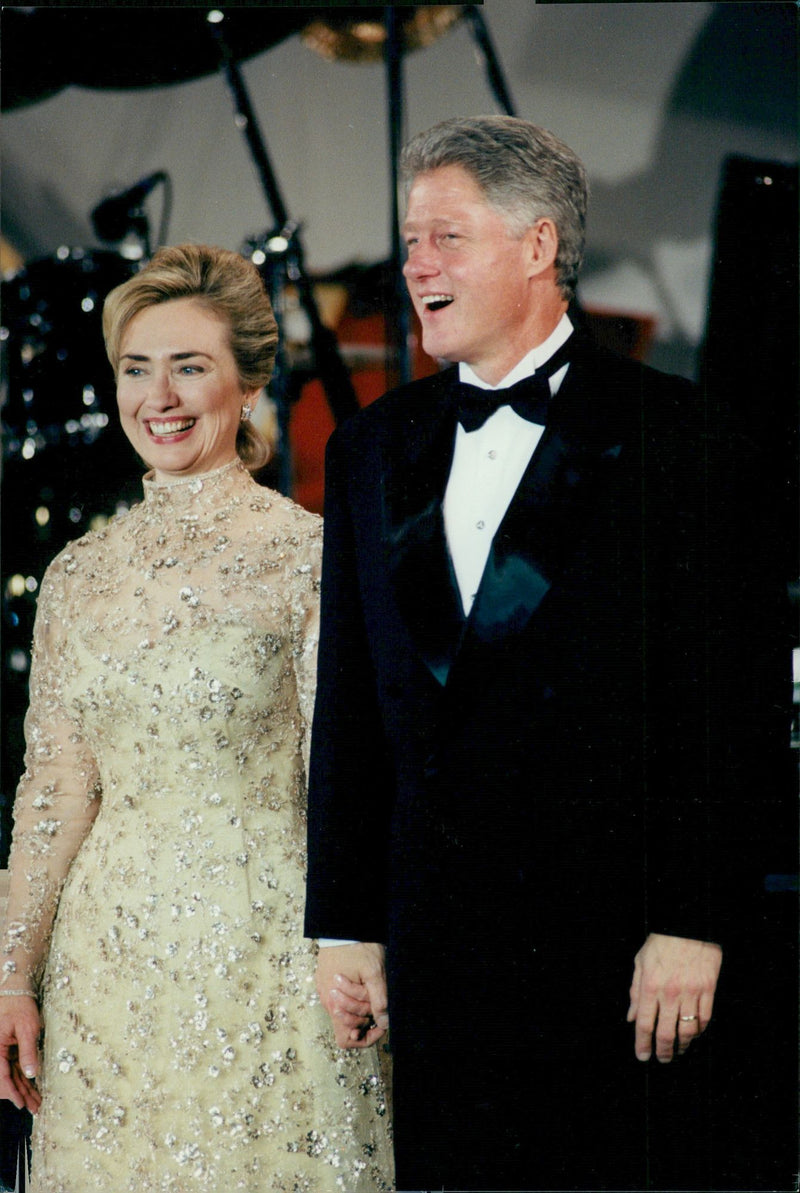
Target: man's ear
[(542, 241)]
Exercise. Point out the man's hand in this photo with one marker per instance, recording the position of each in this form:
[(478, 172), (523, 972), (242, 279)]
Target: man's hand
[(351, 981), (672, 993), (19, 1058)]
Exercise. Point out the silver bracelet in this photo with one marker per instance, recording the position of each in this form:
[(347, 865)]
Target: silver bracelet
[(16, 993)]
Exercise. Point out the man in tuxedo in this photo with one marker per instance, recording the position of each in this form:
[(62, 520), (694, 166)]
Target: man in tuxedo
[(525, 754)]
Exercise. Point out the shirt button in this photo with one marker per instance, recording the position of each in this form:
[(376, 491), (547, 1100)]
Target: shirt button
[(480, 525), (492, 454)]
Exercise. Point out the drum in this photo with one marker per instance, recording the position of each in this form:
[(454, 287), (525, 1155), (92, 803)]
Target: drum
[(58, 385)]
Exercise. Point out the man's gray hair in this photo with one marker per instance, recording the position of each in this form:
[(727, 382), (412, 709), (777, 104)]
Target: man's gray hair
[(525, 173)]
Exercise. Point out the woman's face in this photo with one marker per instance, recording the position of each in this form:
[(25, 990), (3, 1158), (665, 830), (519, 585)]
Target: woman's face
[(178, 389)]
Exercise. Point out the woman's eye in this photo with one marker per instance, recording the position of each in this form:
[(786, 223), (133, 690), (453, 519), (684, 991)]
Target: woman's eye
[(133, 371)]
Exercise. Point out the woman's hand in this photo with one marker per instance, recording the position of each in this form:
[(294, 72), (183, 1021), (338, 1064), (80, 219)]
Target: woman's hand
[(351, 982), (20, 1027)]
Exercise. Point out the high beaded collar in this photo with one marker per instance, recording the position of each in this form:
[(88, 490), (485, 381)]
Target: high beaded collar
[(217, 486)]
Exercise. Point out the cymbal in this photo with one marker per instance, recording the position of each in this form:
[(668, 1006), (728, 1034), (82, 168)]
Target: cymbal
[(47, 49), (359, 34)]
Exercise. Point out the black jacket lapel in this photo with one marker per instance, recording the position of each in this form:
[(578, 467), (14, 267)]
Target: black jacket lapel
[(543, 522), (419, 561)]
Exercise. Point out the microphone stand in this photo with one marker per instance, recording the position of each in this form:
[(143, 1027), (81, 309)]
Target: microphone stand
[(330, 367)]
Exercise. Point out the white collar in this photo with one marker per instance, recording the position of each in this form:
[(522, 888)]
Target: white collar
[(530, 362)]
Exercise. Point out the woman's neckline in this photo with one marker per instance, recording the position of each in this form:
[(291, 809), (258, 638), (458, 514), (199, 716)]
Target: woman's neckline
[(194, 483)]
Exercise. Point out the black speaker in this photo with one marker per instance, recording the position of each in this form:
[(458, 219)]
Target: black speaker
[(750, 359)]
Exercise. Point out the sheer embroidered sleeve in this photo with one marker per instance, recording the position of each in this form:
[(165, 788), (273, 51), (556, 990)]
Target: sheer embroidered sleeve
[(305, 623), (57, 798)]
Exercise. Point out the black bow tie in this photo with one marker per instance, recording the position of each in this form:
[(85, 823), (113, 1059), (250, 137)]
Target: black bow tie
[(529, 398)]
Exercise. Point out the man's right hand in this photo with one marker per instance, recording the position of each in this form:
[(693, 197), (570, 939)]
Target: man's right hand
[(351, 981), (19, 1058)]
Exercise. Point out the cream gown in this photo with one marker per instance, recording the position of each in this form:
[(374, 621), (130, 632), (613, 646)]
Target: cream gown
[(171, 693)]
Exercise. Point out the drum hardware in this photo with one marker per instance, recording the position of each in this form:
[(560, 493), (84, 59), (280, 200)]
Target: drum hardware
[(58, 386), (120, 218), (361, 36)]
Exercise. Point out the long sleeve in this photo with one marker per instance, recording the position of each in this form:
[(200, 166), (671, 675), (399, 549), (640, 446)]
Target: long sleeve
[(57, 799), (305, 582)]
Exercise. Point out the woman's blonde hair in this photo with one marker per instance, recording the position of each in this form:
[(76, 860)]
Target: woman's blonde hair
[(231, 288)]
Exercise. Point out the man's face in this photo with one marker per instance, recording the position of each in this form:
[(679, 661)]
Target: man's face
[(470, 280)]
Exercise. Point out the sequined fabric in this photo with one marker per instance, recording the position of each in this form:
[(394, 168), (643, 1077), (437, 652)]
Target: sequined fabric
[(171, 694)]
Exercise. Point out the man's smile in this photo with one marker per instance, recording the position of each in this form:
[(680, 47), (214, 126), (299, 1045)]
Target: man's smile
[(436, 302)]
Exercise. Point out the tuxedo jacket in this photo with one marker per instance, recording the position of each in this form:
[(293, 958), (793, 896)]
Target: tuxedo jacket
[(577, 762)]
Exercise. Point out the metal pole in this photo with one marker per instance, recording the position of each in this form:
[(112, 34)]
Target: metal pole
[(398, 308), (491, 62)]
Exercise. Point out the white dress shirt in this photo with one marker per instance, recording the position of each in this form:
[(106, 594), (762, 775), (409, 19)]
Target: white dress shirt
[(488, 465)]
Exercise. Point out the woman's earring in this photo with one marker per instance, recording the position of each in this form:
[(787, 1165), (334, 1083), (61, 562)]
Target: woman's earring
[(247, 410)]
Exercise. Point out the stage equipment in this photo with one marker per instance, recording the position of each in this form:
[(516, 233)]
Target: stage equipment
[(59, 389), (121, 215), (360, 35)]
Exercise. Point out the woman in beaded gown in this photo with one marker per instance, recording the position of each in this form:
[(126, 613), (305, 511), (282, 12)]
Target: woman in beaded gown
[(157, 865)]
